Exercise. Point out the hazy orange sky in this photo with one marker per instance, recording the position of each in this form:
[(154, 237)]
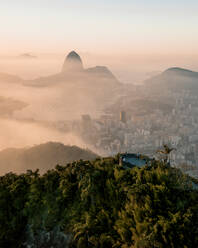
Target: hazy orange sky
[(132, 37), (105, 26)]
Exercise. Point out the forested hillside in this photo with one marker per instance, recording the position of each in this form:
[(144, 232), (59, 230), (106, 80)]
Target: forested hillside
[(99, 204)]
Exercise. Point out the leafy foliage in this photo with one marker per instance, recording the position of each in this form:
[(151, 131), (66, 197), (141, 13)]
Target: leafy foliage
[(99, 204)]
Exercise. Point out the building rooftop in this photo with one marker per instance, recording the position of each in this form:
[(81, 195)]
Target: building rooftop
[(130, 160)]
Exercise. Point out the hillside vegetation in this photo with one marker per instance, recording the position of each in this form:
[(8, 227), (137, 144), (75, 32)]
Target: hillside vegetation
[(99, 204)]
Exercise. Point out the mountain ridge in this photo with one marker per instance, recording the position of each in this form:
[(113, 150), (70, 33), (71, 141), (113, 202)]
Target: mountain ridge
[(174, 78), (42, 157), (181, 71)]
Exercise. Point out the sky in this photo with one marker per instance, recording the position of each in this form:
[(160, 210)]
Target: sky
[(103, 27)]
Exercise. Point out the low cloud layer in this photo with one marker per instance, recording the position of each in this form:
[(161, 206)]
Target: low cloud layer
[(21, 134)]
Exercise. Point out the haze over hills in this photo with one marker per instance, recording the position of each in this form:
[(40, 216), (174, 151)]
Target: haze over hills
[(74, 72), (42, 157), (27, 56), (181, 72), (175, 78), (98, 130), (56, 103), (72, 69), (4, 77), (8, 106), (29, 115), (73, 91)]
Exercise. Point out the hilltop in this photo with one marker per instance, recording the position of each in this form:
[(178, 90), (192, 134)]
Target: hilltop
[(73, 72), (180, 72), (43, 157), (99, 204), (174, 78)]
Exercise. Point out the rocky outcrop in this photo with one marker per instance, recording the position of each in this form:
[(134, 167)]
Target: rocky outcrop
[(73, 63)]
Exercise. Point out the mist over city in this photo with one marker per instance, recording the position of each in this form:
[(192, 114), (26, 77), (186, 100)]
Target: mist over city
[(98, 124), (91, 107)]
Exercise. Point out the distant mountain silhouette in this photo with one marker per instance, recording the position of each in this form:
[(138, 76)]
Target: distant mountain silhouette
[(27, 56), (80, 90), (43, 157), (102, 71), (180, 72), (174, 78), (73, 63), (89, 89), (73, 71)]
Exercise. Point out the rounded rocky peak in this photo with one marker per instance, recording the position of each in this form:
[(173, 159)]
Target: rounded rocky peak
[(180, 71), (73, 55), (176, 69), (72, 62)]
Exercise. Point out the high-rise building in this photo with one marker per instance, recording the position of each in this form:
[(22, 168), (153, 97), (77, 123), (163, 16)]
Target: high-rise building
[(123, 116)]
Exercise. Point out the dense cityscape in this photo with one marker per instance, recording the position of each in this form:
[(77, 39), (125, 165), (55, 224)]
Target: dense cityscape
[(129, 131)]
